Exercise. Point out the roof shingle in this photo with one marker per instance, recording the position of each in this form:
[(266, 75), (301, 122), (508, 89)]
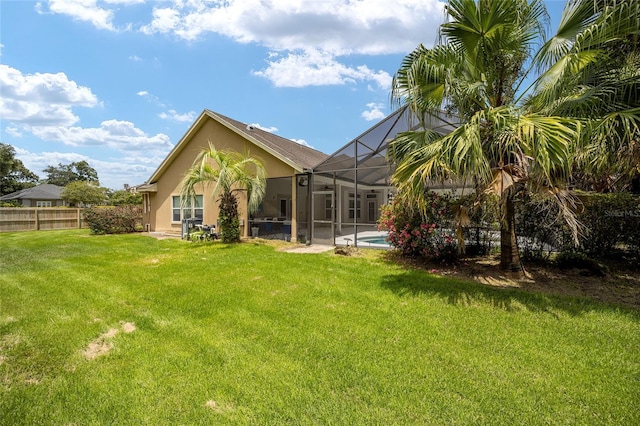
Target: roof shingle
[(45, 191), (297, 153)]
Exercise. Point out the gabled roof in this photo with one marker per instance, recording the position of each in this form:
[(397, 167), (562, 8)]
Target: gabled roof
[(45, 191), (296, 155)]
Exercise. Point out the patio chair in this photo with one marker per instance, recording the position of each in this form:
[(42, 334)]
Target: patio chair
[(210, 233)]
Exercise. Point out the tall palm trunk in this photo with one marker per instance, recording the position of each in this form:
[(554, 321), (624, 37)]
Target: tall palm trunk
[(509, 255)]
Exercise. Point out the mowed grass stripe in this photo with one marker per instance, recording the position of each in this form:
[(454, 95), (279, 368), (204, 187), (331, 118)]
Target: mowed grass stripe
[(248, 334)]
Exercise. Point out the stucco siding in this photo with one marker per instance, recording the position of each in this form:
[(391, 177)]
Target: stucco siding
[(168, 183)]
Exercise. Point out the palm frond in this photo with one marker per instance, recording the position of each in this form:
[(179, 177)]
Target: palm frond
[(576, 17), (228, 171)]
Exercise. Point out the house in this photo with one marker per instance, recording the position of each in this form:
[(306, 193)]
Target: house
[(45, 195), (310, 196), (284, 210)]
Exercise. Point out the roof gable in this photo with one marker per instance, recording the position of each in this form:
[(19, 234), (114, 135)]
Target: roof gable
[(296, 155)]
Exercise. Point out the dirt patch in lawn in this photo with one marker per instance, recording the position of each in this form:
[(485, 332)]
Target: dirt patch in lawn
[(218, 407), (620, 285), (101, 345), (128, 327), (301, 248), (104, 343)]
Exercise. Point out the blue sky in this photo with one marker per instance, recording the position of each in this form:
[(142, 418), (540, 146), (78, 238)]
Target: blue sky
[(118, 82)]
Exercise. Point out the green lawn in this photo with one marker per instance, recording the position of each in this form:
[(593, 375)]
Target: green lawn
[(248, 335)]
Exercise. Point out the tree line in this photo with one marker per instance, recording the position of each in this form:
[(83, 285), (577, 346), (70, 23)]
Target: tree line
[(79, 180)]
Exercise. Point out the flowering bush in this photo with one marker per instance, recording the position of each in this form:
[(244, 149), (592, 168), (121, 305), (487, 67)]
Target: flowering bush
[(420, 233)]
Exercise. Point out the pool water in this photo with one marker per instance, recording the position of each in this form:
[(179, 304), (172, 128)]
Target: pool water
[(381, 239)]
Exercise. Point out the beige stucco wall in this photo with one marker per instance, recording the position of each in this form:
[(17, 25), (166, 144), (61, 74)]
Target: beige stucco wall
[(159, 216)]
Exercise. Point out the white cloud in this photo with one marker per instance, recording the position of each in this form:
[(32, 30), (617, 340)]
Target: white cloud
[(266, 129), (88, 11), (82, 10), (13, 131), (116, 134), (150, 97), (164, 20), (172, 114), (313, 34), (335, 26), (41, 98), (374, 112), (125, 2), (112, 172), (36, 162), (316, 68), (135, 58)]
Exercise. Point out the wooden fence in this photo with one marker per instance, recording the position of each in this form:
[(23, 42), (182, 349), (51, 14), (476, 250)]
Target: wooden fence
[(41, 219)]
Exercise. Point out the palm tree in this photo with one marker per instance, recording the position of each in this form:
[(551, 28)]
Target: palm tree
[(509, 139), (230, 172), (593, 74)]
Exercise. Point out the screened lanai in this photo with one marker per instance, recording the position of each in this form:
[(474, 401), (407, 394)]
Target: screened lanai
[(349, 187)]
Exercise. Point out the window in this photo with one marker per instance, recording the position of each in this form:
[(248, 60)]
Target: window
[(285, 207), (354, 206), (191, 209), (43, 203), (372, 207), (372, 210), (328, 207)]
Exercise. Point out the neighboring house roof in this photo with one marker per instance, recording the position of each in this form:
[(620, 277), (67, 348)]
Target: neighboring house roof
[(45, 191), (298, 156)]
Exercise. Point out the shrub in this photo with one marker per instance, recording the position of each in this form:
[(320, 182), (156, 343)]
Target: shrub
[(123, 196), (611, 224), (574, 259), (117, 220), (612, 221), (420, 233), (482, 213), (539, 228)]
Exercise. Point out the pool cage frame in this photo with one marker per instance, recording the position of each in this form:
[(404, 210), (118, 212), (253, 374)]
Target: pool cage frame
[(345, 191)]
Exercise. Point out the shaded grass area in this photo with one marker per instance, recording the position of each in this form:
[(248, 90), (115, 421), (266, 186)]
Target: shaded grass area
[(248, 334)]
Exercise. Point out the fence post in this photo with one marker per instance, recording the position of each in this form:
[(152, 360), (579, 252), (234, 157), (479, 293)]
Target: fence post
[(37, 219), (78, 212)]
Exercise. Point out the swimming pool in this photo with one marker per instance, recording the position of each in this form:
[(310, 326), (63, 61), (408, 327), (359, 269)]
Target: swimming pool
[(379, 239)]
